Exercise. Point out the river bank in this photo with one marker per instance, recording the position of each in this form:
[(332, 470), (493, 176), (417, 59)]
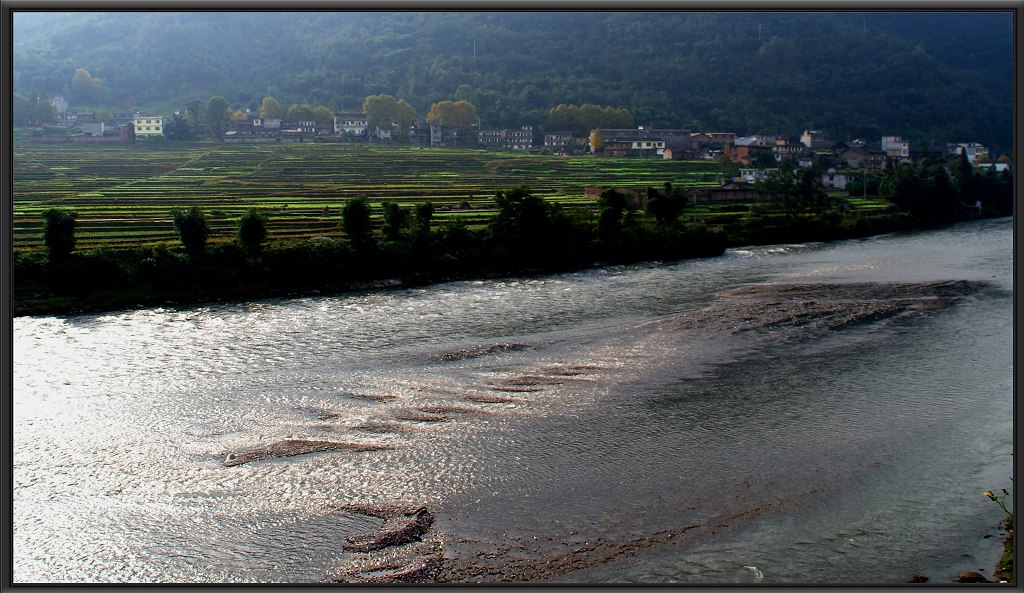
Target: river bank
[(112, 279)]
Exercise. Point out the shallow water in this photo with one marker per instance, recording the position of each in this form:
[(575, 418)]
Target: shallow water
[(606, 411)]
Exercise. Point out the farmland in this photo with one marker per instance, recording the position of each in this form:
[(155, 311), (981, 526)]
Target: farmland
[(123, 194)]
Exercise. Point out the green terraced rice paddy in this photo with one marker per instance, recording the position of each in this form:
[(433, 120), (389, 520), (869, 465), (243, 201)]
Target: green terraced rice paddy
[(124, 194)]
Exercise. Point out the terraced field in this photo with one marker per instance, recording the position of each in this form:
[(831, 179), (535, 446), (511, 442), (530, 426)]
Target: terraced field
[(124, 194)]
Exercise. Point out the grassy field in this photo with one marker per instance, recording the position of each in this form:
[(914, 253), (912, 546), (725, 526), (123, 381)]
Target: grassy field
[(123, 194)]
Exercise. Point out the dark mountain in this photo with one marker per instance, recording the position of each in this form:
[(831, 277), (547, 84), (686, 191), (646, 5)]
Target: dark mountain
[(926, 76)]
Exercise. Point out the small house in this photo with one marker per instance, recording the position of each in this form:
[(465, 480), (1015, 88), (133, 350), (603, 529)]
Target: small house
[(833, 179)]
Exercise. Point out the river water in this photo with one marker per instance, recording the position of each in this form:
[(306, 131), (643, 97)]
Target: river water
[(654, 423)]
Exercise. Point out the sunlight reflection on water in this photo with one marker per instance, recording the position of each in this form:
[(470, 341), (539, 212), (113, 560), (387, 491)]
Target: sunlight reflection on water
[(585, 405)]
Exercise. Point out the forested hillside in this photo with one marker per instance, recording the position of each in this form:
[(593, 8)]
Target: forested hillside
[(926, 76)]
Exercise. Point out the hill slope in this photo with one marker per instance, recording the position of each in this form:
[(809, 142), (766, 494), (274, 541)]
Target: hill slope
[(927, 76)]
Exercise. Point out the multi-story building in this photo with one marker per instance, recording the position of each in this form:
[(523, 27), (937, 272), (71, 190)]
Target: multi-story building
[(973, 150), (784, 150), (443, 136), (896, 147), (492, 138), (148, 126), (811, 137), (521, 139), (419, 132), (351, 124), (743, 150), (557, 140), (643, 141)]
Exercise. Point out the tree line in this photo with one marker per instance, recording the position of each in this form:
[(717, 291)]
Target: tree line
[(527, 234)]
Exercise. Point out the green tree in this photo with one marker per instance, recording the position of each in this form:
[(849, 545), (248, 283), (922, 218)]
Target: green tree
[(809, 191), (463, 115), (440, 113), (405, 115), (323, 115), (270, 108), (192, 229), (421, 224), (763, 159), (523, 226), (800, 189), (616, 215), (46, 113), (564, 117), (666, 206), (86, 87), (252, 231), (22, 111), (459, 115), (591, 117), (380, 111), (59, 233), (467, 93), (925, 191), (729, 168), (177, 128), (217, 116), (36, 109), (195, 111), (103, 115), (521, 215), (396, 219), (620, 117), (961, 171), (303, 112), (355, 221)]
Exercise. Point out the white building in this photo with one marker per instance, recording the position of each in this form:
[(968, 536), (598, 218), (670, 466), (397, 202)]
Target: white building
[(148, 125), (753, 175), (895, 146), (834, 180), (973, 149), (352, 124)]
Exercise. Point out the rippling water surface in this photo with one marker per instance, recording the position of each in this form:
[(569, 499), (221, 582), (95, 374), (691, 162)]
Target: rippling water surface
[(535, 417)]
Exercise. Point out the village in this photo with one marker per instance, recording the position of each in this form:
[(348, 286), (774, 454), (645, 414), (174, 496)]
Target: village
[(751, 157)]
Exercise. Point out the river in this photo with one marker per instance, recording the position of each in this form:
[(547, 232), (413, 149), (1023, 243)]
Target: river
[(812, 413)]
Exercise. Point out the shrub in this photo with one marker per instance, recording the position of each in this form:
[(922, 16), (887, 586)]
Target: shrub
[(252, 231), (59, 233), (192, 229)]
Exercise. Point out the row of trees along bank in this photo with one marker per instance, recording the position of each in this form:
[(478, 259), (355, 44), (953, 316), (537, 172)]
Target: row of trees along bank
[(527, 235)]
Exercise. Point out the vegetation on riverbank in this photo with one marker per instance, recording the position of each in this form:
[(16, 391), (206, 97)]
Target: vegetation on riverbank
[(388, 225), (1004, 568)]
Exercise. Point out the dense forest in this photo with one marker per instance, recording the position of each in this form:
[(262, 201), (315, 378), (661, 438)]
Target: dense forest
[(930, 77)]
